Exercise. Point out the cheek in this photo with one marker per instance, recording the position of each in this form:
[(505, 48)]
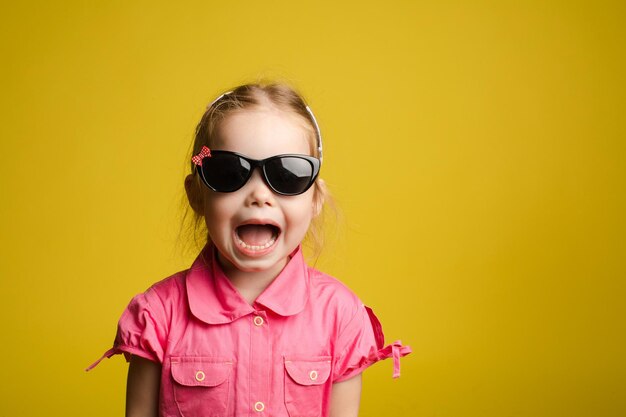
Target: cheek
[(217, 208), (302, 210)]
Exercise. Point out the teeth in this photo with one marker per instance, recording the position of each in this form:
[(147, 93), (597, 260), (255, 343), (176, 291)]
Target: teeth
[(256, 247)]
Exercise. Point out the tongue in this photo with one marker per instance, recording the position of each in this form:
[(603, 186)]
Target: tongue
[(255, 234)]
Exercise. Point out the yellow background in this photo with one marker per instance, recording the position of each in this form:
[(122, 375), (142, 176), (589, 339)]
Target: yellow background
[(476, 150)]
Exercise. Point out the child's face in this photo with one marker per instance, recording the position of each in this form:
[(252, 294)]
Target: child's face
[(253, 228)]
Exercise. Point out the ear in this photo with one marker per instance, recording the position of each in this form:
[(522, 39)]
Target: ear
[(194, 194)]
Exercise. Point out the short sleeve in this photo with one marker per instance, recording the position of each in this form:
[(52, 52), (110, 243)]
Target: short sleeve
[(361, 344), (140, 330)]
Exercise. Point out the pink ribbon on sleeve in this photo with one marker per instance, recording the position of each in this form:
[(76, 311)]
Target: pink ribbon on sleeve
[(396, 351), (107, 354)]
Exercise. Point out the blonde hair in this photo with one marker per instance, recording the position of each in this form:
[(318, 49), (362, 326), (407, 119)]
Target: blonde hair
[(250, 96)]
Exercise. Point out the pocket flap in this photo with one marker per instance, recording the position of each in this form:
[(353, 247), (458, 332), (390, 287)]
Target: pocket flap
[(200, 371), (309, 372)]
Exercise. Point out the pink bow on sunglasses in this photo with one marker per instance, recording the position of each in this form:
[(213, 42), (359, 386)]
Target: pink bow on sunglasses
[(204, 153)]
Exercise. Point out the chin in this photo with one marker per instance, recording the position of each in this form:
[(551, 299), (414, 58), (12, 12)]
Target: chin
[(235, 260), (259, 265)]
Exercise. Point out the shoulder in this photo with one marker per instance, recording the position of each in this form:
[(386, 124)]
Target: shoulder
[(330, 291), (172, 285), (165, 296), (324, 282)]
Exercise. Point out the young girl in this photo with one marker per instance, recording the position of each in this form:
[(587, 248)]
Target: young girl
[(250, 329)]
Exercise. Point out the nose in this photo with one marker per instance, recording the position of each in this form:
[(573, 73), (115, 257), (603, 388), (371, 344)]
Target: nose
[(259, 193)]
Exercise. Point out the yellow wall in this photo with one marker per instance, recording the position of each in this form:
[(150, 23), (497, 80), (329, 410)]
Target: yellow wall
[(476, 149)]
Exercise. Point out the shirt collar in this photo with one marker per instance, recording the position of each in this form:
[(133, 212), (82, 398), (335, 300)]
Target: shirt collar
[(214, 300)]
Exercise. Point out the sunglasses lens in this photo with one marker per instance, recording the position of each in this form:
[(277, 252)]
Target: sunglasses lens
[(289, 175), (225, 172)]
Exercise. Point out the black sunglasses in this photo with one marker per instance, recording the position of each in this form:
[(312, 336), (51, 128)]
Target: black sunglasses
[(225, 171)]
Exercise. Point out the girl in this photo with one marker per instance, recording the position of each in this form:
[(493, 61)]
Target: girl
[(250, 329)]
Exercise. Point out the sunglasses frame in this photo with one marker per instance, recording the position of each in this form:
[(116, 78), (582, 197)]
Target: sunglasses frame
[(260, 163)]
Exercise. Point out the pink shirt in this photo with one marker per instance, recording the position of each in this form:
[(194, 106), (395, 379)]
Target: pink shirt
[(221, 356)]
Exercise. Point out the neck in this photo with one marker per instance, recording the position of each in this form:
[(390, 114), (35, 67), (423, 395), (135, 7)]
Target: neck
[(250, 284)]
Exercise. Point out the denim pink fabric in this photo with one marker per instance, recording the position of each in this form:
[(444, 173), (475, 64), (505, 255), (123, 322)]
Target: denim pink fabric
[(221, 356)]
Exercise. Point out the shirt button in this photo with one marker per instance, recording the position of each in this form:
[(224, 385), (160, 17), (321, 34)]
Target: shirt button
[(258, 321), (259, 406), (200, 376), (313, 375)]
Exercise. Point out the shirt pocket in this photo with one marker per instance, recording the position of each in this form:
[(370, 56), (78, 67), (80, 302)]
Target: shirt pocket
[(201, 385), (305, 381)]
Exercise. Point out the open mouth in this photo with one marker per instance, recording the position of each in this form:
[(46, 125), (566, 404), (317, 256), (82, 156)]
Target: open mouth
[(256, 237)]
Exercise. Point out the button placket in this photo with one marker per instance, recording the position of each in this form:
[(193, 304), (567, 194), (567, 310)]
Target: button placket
[(260, 362)]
